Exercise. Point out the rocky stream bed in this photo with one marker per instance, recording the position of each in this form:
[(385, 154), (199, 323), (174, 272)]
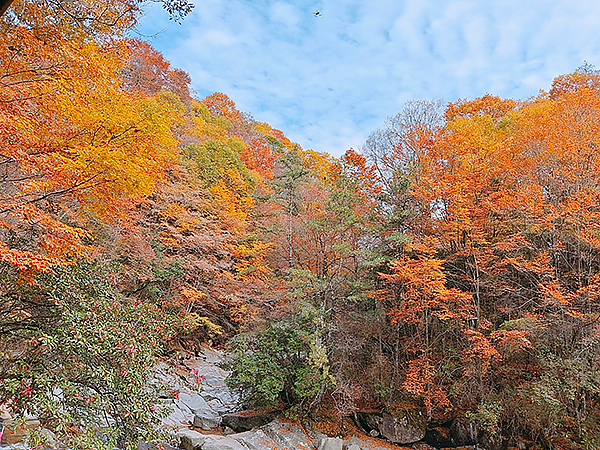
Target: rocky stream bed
[(206, 415)]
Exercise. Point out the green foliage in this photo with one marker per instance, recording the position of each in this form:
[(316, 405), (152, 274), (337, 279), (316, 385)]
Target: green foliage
[(488, 415), (77, 353), (286, 361), (286, 185), (215, 160), (561, 403)]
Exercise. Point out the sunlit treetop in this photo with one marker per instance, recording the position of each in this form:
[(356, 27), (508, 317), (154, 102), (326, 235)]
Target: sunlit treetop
[(80, 19)]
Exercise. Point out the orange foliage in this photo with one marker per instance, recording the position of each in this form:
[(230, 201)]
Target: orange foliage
[(421, 382), (73, 142), (220, 105), (422, 286), (481, 351)]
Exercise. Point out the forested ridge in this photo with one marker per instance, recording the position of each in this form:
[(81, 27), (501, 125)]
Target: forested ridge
[(451, 264)]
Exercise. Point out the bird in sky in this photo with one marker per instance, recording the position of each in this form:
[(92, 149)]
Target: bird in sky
[(317, 13)]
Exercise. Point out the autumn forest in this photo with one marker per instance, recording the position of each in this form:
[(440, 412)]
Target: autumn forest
[(451, 264)]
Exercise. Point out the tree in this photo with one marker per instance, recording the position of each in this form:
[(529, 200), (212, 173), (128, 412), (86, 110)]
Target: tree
[(79, 19), (76, 353), (285, 186), (73, 142)]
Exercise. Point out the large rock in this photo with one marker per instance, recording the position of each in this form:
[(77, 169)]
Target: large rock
[(203, 395), (223, 443), (255, 440), (204, 416), (190, 439), (247, 420), (288, 435), (355, 442), (400, 426), (403, 426), (464, 432), (439, 437), (205, 373), (331, 444), (180, 416)]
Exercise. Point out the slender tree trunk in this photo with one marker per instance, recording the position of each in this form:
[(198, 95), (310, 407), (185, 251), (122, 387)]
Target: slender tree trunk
[(290, 246), (4, 5)]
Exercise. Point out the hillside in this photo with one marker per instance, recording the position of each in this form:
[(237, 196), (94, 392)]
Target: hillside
[(450, 266)]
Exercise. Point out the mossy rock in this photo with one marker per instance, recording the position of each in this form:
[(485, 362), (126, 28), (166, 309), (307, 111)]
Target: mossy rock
[(397, 424)]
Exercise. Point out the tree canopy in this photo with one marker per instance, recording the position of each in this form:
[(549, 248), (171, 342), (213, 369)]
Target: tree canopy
[(453, 263)]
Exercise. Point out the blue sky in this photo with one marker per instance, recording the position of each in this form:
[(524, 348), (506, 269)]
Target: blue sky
[(327, 81)]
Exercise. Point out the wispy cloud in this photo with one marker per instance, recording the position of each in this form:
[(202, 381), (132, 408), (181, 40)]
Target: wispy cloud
[(328, 80)]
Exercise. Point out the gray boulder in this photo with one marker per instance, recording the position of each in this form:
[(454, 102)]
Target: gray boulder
[(180, 416), (204, 416), (222, 443), (203, 393), (331, 444), (247, 420), (204, 372), (190, 439), (288, 435), (400, 426), (403, 426), (255, 440)]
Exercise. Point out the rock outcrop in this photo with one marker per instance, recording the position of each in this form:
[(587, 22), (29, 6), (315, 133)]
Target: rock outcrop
[(195, 391), (398, 425), (204, 414), (247, 420)]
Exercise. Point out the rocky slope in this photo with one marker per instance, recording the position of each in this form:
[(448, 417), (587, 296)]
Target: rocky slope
[(204, 414)]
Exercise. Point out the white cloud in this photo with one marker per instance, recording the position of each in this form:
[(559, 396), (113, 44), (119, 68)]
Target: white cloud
[(285, 14), (217, 37), (327, 81)]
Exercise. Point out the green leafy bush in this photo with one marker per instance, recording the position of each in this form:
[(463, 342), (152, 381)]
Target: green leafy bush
[(285, 361), (76, 353)]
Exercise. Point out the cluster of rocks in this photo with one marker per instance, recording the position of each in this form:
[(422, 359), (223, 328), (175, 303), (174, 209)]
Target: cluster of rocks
[(281, 434), (204, 414), (409, 426), (195, 392)]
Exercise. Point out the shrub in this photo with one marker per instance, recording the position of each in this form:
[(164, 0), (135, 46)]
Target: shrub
[(286, 361), (77, 353)]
